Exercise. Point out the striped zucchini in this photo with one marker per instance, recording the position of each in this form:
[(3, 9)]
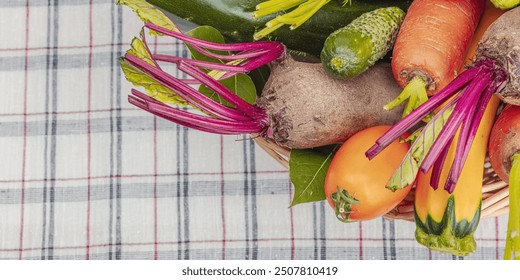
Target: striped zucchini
[(446, 222), (350, 50)]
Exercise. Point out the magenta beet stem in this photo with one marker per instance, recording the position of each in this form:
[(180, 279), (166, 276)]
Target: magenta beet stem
[(250, 110), (462, 154), (468, 101), (240, 117), (479, 84), (187, 92), (193, 120), (419, 113), (215, 46)]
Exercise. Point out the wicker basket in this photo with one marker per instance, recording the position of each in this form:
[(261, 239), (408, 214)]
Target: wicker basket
[(495, 192)]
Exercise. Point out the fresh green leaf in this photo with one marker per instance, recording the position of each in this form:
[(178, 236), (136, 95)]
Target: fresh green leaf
[(241, 84), (149, 13), (206, 33), (140, 51), (307, 170), (151, 86), (512, 247), (210, 34), (260, 76)]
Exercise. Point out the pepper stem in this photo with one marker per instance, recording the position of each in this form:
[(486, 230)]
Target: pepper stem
[(344, 202), (512, 249)]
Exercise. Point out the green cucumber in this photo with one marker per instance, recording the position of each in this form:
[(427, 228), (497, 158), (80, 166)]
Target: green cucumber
[(351, 50), (234, 19)]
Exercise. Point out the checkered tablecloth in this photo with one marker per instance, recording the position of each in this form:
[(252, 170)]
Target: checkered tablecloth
[(85, 175)]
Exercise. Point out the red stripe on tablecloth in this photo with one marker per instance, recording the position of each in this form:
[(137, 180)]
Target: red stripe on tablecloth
[(136, 176), (169, 243), (89, 144), (213, 241), (222, 197), (24, 156), (293, 247)]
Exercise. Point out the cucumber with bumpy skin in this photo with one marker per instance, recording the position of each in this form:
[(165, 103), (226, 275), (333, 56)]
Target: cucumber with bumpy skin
[(351, 50)]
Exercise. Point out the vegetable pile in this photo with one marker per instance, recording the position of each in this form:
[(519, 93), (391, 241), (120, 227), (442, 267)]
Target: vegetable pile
[(329, 92)]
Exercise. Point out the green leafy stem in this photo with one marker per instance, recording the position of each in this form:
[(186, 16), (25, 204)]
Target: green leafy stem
[(512, 248), (304, 10)]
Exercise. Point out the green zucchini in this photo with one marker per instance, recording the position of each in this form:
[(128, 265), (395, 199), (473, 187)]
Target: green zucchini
[(350, 50), (234, 19)]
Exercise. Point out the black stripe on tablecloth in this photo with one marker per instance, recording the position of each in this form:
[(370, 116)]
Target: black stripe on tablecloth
[(54, 10), (79, 126), (246, 204), (119, 129), (315, 231), (385, 238), (178, 166), (323, 230), (112, 104), (389, 249), (254, 225), (185, 169), (114, 224), (250, 189), (393, 253), (179, 148), (222, 198), (185, 191), (319, 231), (198, 188), (46, 148), (67, 61)]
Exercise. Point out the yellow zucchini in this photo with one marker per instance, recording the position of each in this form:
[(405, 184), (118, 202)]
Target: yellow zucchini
[(446, 222)]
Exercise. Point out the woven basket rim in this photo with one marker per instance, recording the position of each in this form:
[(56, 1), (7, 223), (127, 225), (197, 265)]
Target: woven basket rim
[(495, 192)]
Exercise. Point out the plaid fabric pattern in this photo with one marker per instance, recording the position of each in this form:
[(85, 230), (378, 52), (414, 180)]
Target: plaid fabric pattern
[(85, 175)]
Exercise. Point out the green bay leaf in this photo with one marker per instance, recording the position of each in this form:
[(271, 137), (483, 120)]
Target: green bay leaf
[(260, 77), (241, 84), (206, 33), (307, 170), (149, 13)]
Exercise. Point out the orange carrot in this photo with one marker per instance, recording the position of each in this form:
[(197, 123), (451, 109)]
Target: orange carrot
[(431, 45)]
